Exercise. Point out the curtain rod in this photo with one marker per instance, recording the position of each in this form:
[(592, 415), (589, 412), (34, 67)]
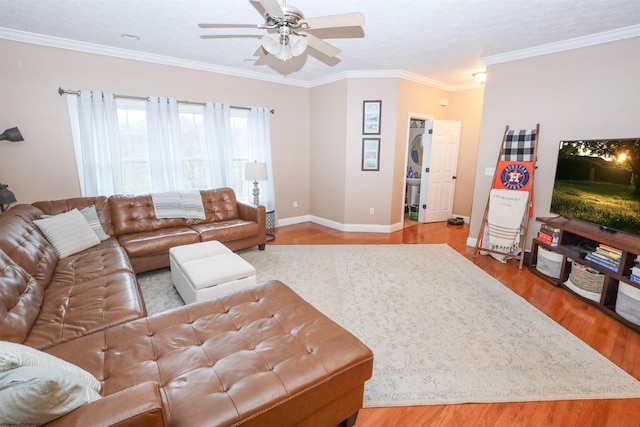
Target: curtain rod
[(144, 98)]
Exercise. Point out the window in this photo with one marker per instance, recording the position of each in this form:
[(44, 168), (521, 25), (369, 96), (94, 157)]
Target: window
[(137, 146), (240, 135), (134, 148)]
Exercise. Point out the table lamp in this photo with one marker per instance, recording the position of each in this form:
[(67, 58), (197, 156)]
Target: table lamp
[(255, 172)]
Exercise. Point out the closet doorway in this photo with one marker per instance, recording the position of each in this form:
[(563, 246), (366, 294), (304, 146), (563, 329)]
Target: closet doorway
[(434, 151)]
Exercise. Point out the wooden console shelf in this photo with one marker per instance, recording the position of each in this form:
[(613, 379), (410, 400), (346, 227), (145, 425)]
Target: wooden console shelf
[(576, 240)]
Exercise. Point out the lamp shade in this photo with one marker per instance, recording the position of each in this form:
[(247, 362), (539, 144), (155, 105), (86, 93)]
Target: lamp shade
[(298, 44), (285, 52), (255, 171), (12, 134), (271, 43)]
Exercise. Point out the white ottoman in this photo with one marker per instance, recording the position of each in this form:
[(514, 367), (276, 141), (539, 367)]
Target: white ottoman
[(206, 270)]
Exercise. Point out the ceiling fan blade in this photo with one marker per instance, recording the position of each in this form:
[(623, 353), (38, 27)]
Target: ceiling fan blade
[(321, 45), (331, 21), (227, 26), (272, 7)]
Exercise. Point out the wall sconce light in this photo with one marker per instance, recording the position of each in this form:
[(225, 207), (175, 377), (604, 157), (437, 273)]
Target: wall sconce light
[(444, 102), (480, 77), (12, 135), (255, 172), (6, 197)]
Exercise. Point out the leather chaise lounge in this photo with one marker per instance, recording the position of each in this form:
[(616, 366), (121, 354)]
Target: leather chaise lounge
[(258, 357)]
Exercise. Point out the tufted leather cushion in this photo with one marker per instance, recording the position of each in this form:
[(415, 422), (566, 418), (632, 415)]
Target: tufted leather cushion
[(135, 214), (262, 356), (22, 241), (20, 300), (157, 241), (226, 230), (219, 205), (101, 203), (90, 291)]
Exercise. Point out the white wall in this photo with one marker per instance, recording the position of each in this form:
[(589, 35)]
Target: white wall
[(586, 93)]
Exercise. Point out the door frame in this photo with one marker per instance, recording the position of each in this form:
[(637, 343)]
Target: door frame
[(425, 215), (415, 116)]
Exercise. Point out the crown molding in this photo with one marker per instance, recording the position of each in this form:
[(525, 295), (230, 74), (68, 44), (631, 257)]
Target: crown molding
[(61, 43), (380, 74), (57, 42), (362, 74), (417, 78), (578, 42)]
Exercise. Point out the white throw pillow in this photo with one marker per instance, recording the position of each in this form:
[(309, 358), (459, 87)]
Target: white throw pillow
[(13, 355), (69, 233), (34, 395), (91, 215)]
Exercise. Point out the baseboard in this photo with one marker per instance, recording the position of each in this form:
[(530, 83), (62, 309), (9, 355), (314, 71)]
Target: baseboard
[(350, 228), (293, 220)]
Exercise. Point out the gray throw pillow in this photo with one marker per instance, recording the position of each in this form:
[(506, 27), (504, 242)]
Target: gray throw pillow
[(91, 215)]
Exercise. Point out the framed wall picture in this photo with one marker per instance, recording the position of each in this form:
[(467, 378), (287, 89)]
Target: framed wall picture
[(370, 154), (371, 116)]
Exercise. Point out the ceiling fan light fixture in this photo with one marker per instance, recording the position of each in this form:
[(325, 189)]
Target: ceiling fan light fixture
[(298, 44), (271, 43), (285, 52)]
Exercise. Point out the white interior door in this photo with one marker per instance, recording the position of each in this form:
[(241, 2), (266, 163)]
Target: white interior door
[(439, 165)]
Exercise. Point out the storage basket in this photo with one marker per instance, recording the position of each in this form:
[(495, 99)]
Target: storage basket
[(413, 212), (628, 303), (585, 279), (549, 263)]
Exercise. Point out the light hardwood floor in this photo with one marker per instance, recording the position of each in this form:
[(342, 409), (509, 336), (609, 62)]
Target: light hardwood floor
[(609, 337)]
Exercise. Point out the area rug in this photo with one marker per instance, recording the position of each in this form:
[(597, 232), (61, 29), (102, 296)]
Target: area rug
[(441, 329)]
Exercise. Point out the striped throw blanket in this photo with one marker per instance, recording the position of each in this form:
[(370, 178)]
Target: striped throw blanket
[(178, 204), (506, 211)]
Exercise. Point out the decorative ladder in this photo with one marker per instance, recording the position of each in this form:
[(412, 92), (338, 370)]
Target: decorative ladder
[(514, 170)]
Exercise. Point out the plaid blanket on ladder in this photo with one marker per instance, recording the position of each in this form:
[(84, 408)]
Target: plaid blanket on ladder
[(519, 145)]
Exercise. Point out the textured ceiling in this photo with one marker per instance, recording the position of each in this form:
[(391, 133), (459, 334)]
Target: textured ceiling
[(441, 40)]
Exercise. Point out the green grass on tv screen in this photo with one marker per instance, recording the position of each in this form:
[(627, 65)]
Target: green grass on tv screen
[(607, 204)]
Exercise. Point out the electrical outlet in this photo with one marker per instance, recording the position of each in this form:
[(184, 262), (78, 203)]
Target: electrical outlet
[(372, 211), (295, 204)]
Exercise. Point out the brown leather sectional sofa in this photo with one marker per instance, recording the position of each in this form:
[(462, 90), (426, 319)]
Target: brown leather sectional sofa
[(259, 357), (147, 239)]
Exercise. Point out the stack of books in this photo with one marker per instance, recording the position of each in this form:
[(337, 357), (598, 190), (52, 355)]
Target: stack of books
[(635, 271), (606, 256), (549, 234)]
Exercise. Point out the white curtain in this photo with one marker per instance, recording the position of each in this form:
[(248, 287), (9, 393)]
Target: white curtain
[(94, 122), (165, 146), (259, 127), (217, 134)]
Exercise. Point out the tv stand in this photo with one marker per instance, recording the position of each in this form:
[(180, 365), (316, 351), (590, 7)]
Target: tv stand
[(608, 230), (577, 239)]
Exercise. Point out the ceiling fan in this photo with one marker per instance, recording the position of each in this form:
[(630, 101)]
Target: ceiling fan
[(287, 29)]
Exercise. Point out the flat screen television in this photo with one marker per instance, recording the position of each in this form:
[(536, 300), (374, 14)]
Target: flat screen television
[(598, 181)]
